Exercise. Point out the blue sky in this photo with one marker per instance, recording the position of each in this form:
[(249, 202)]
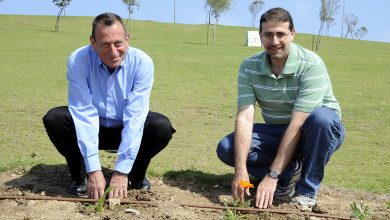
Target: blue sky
[(371, 13)]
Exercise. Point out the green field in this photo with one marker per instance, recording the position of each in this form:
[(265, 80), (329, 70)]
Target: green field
[(195, 86)]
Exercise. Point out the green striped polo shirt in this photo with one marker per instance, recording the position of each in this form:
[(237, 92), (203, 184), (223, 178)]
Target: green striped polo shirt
[(303, 85)]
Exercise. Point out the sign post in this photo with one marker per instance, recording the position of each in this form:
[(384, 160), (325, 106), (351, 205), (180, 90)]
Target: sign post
[(253, 39)]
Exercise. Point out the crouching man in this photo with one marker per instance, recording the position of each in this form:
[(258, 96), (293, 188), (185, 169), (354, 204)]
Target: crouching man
[(302, 128), (108, 109)]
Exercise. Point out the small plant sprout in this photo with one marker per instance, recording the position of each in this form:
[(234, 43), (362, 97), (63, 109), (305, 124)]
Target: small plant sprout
[(235, 214), (359, 210), (387, 204), (100, 202)]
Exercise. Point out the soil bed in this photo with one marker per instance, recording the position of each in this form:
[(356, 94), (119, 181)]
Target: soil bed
[(165, 200)]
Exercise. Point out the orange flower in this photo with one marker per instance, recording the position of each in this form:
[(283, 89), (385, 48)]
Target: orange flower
[(246, 184)]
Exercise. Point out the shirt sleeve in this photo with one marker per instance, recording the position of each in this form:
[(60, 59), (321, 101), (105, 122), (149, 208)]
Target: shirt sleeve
[(84, 114), (246, 95), (134, 116), (313, 86)]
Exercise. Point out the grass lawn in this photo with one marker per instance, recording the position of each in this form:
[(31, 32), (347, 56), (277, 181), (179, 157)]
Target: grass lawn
[(195, 86)]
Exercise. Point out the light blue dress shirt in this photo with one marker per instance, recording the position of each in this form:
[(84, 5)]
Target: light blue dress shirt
[(98, 98)]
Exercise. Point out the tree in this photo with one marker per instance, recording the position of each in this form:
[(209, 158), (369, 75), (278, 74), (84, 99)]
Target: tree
[(217, 7), (351, 21), (208, 21), (254, 8), (328, 10), (130, 9), (359, 33), (62, 4)]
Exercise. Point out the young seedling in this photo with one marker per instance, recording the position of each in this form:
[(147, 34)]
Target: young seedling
[(98, 206), (359, 210), (234, 214), (246, 185), (100, 202), (387, 204)]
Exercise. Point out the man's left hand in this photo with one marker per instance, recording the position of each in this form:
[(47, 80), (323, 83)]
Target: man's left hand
[(118, 185), (265, 192)]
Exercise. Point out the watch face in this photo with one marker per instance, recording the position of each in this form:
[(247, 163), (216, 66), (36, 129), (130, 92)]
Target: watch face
[(274, 174)]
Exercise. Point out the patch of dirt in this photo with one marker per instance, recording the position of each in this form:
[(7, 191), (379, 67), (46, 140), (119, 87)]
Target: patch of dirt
[(169, 198)]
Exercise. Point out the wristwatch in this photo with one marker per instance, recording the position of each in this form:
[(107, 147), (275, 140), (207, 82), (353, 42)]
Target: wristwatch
[(274, 174)]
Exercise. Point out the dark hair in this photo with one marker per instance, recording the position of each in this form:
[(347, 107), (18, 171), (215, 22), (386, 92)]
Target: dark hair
[(277, 14), (107, 19)]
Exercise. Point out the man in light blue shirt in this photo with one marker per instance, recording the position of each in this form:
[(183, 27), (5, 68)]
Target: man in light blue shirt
[(108, 98)]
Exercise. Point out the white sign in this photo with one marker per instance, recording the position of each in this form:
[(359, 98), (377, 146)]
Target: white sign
[(253, 39)]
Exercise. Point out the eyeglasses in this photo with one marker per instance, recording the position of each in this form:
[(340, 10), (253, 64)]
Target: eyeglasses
[(271, 35)]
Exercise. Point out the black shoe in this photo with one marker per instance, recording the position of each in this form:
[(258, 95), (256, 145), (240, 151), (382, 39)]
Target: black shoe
[(79, 187), (142, 185)]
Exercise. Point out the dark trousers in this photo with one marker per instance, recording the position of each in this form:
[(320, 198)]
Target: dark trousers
[(60, 128)]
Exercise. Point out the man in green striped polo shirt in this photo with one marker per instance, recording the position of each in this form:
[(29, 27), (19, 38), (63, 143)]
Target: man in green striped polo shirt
[(302, 128)]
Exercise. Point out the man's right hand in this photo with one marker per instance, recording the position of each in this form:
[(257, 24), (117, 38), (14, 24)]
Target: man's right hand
[(238, 192), (96, 184)]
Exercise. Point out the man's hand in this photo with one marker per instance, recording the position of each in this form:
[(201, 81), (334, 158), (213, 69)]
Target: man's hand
[(265, 192), (118, 185), (238, 192), (96, 184)]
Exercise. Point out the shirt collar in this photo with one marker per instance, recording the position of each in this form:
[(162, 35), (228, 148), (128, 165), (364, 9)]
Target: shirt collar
[(291, 66)]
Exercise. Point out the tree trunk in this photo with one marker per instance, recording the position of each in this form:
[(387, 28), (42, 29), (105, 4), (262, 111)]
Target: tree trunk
[(346, 34), (215, 27), (319, 43), (58, 19), (56, 25), (342, 21), (174, 11), (208, 27), (319, 36), (128, 20)]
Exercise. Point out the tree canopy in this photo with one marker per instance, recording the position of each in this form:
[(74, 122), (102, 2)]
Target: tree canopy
[(351, 21), (254, 8), (359, 33)]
